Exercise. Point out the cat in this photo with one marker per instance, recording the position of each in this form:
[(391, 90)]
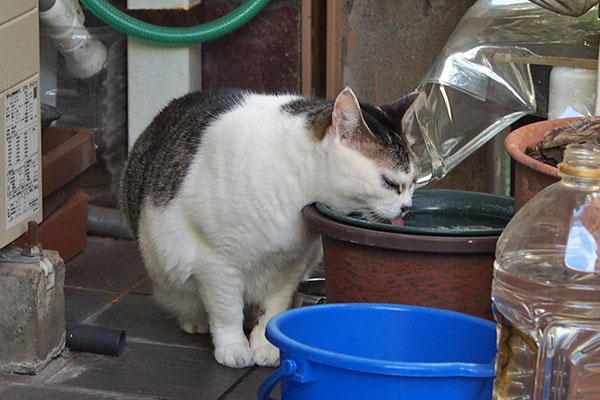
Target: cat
[(214, 188)]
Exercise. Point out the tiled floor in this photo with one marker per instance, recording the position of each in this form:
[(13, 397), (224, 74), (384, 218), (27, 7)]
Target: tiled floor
[(107, 286)]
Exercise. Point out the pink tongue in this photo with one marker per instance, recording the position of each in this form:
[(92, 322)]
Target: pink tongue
[(397, 221)]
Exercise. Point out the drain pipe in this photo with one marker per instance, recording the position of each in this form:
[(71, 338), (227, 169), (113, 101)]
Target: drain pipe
[(104, 221)]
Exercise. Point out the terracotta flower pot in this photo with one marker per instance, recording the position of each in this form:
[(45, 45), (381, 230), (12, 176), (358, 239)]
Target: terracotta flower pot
[(531, 176), (370, 265)]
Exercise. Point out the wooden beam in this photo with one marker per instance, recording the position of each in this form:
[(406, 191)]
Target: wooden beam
[(307, 48), (334, 79)]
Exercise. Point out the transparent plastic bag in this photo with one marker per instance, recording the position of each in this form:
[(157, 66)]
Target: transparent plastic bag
[(97, 102), (481, 81)]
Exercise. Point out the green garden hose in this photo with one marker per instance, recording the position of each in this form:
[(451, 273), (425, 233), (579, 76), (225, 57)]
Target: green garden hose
[(174, 36)]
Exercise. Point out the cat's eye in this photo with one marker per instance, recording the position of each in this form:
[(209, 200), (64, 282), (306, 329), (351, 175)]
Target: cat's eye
[(390, 184)]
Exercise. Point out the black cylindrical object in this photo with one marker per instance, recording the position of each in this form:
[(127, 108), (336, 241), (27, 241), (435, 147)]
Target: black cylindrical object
[(95, 339)]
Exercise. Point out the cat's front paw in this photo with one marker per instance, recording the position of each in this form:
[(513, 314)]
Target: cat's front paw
[(234, 356), (266, 355)]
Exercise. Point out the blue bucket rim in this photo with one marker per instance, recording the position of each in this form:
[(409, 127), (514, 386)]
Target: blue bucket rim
[(383, 367)]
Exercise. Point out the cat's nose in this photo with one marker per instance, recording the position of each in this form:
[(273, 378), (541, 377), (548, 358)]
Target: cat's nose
[(405, 210)]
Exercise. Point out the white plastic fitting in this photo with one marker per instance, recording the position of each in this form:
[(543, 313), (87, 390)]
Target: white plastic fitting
[(572, 92), (48, 268), (85, 55)]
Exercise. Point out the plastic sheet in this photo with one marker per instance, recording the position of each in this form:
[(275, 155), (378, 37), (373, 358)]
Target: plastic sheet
[(481, 82), (97, 102)]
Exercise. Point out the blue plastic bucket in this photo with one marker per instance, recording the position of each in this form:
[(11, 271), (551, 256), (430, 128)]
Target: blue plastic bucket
[(381, 351)]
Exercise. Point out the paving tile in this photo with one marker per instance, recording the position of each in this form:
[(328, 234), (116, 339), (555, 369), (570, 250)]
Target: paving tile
[(142, 318), (165, 371), (106, 264), (21, 392), (79, 303), (5, 381), (144, 287), (40, 377), (247, 387)]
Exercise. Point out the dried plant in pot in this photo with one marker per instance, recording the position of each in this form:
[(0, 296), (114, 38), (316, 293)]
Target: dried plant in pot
[(547, 138), (442, 257)]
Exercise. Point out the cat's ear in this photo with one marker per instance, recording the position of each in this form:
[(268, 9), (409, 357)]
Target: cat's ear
[(397, 109), (347, 119)]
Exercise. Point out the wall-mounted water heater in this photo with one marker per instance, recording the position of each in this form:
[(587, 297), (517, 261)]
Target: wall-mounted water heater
[(20, 136)]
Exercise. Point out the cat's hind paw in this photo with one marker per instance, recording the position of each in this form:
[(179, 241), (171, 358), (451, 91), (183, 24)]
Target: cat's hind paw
[(234, 356), (194, 327), (266, 355)]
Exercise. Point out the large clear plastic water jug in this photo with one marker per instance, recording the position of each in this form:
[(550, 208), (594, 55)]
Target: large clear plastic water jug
[(546, 289)]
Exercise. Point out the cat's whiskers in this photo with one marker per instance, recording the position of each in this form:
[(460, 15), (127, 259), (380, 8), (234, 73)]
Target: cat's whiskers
[(408, 217), (368, 214)]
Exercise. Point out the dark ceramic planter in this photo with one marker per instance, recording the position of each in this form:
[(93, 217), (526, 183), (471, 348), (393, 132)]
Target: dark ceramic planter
[(369, 265), (531, 176)]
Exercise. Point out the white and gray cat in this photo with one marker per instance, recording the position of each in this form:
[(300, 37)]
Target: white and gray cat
[(213, 191)]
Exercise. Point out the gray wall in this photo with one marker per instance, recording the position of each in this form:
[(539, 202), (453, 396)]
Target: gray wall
[(390, 44)]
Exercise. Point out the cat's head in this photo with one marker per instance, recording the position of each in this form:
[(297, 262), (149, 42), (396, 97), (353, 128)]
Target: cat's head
[(371, 167)]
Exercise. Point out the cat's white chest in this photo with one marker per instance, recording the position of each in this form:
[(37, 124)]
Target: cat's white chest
[(276, 240)]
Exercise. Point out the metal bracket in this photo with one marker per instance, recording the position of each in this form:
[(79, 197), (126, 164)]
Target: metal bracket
[(14, 254)]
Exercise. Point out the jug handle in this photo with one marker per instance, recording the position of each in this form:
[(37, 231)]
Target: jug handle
[(287, 368)]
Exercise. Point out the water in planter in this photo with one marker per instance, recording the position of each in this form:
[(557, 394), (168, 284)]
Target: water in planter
[(443, 212), (451, 220)]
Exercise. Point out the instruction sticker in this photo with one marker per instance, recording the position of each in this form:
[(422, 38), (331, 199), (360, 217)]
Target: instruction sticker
[(21, 153)]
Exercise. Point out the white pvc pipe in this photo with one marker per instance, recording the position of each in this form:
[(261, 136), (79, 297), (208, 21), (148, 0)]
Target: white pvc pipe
[(157, 74), (84, 54), (572, 92)]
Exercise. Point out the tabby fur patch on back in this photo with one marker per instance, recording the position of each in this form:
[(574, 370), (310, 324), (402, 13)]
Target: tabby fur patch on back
[(160, 158)]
